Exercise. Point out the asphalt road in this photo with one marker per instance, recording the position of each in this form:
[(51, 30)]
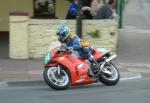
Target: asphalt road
[(134, 38), (145, 4), (130, 91)]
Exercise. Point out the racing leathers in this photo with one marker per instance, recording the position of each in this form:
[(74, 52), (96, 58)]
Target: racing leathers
[(75, 43)]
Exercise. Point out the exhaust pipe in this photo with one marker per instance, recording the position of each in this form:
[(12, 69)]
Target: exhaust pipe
[(107, 60), (111, 58)]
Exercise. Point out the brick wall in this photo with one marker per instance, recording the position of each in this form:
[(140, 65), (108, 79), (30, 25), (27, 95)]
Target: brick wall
[(38, 34)]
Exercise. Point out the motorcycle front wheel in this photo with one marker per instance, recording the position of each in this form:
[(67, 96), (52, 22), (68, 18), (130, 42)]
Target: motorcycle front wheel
[(109, 75), (55, 81)]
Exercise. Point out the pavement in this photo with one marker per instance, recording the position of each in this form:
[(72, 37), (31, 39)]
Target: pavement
[(21, 70), (31, 70)]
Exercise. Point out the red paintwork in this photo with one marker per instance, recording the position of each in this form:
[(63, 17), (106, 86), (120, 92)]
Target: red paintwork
[(79, 76)]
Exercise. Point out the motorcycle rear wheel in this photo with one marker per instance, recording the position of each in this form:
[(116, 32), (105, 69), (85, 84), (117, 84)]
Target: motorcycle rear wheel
[(57, 82), (110, 79)]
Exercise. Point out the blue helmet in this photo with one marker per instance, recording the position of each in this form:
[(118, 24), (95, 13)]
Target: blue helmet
[(63, 33)]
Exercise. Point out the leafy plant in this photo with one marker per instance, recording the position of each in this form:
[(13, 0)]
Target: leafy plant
[(112, 33), (95, 34)]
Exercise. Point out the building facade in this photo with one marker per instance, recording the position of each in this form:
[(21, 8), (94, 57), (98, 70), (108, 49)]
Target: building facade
[(31, 25), (56, 8)]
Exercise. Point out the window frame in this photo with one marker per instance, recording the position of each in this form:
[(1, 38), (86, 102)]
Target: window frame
[(42, 15)]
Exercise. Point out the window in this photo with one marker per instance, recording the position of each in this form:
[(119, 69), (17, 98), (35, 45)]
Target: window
[(44, 9)]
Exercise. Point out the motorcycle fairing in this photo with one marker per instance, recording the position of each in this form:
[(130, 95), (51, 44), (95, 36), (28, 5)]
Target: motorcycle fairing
[(77, 73)]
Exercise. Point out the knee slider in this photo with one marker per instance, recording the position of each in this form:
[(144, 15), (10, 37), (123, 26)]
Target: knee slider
[(85, 49)]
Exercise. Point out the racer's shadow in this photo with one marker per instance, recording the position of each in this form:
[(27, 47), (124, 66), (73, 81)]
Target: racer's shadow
[(83, 87), (90, 86)]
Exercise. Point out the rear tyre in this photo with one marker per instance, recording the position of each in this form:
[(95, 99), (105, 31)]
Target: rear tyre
[(109, 79), (55, 81)]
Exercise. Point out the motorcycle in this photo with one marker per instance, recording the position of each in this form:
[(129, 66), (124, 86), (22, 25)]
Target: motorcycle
[(65, 68)]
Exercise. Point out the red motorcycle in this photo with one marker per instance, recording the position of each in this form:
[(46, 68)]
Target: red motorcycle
[(65, 68)]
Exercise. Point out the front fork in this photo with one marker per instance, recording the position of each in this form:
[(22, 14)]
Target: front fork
[(58, 70)]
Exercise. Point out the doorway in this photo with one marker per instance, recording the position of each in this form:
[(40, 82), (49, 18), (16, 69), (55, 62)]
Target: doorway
[(4, 44)]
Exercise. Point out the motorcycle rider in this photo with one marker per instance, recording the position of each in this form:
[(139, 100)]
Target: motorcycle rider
[(73, 42)]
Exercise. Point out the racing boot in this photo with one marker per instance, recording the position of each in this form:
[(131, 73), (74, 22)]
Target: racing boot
[(93, 68)]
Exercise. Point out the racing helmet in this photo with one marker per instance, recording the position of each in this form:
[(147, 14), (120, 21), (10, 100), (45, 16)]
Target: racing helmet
[(63, 33)]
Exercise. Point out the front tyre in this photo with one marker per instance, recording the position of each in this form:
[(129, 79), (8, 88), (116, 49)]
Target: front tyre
[(109, 75), (55, 81)]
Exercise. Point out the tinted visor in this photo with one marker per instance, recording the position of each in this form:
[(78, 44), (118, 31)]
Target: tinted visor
[(61, 34), (61, 38)]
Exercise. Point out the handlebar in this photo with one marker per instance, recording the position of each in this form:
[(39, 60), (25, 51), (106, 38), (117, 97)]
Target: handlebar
[(63, 49)]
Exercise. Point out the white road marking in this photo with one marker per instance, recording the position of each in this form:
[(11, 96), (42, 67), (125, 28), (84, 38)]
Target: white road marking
[(133, 77)]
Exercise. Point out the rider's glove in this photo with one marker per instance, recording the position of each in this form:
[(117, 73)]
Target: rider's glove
[(70, 48)]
